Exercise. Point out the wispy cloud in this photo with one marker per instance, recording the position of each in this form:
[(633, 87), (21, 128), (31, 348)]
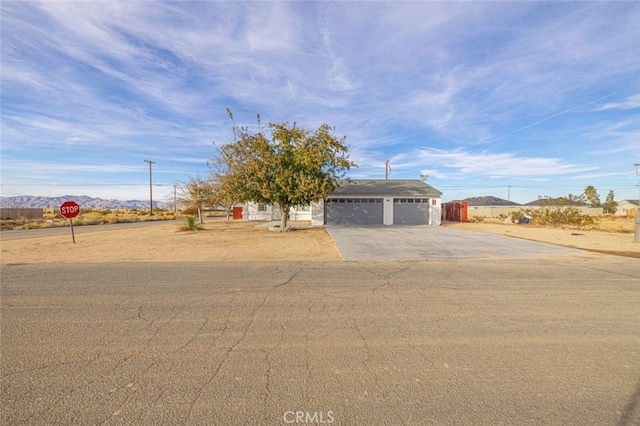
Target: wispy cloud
[(493, 165), (515, 90), (631, 102)]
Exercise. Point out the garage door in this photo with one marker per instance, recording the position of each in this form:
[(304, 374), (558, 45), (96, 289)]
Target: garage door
[(353, 211), (411, 211)]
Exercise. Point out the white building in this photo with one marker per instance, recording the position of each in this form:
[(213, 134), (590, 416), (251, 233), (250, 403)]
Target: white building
[(364, 202)]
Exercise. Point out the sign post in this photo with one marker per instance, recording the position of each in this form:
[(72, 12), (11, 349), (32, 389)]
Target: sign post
[(69, 210)]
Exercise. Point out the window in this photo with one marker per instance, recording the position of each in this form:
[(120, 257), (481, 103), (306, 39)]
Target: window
[(262, 207)]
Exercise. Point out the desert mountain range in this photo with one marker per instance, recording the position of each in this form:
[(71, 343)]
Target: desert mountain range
[(30, 201)]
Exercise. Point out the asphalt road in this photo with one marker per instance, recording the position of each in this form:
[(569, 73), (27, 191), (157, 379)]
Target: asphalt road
[(506, 341)]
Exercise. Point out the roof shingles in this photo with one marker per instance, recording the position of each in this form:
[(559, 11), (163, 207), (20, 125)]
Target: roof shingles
[(382, 187)]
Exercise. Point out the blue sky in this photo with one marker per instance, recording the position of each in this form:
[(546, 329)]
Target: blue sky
[(540, 96)]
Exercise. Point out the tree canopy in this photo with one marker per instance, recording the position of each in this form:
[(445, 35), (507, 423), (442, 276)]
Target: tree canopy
[(282, 164)]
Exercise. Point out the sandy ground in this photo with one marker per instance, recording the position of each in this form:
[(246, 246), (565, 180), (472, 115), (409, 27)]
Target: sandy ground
[(603, 242), (251, 241), (220, 241)]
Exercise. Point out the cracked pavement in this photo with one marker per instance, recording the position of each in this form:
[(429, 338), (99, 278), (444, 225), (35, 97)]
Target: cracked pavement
[(429, 342)]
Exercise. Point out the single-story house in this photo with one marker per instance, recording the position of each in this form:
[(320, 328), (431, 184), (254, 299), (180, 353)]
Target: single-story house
[(563, 203), (364, 202), (488, 206), (627, 207)]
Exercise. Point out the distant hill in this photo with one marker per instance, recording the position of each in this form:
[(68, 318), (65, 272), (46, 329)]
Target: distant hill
[(83, 200)]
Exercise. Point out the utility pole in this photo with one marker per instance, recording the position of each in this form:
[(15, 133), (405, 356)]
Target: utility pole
[(175, 200), (387, 168), (638, 174), (150, 188), (637, 239)]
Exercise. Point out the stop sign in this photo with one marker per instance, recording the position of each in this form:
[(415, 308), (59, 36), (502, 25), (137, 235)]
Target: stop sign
[(69, 209)]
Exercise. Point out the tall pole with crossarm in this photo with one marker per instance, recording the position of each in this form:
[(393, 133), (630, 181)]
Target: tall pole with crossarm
[(638, 173), (150, 188), (637, 240)]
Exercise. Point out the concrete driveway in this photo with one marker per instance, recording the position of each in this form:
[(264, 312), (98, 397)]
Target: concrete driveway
[(433, 242)]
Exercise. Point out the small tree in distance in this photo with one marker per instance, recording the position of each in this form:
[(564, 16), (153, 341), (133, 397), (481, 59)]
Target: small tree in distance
[(196, 194), (591, 196), (222, 195), (610, 204), (282, 164)]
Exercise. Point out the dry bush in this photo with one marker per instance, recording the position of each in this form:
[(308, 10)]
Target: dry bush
[(555, 216), (476, 219)]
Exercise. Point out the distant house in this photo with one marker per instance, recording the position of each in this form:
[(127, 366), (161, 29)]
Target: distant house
[(564, 203), (489, 201), (627, 207), (489, 206), (364, 202), (549, 202)]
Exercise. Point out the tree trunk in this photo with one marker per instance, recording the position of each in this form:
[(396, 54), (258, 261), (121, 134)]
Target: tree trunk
[(200, 214), (284, 212)]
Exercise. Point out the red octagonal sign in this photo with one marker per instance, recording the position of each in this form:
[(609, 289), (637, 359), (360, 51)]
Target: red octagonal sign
[(69, 209)]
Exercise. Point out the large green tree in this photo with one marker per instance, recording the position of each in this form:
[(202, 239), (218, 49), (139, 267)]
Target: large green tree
[(282, 164)]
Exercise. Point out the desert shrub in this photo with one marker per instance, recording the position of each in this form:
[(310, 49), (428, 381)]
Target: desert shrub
[(191, 224), (555, 216), (476, 219), (123, 219)]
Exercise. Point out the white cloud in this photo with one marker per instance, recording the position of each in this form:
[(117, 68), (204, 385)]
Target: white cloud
[(488, 164), (631, 102)]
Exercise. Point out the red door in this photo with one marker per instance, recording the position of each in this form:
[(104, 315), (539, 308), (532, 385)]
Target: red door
[(237, 213)]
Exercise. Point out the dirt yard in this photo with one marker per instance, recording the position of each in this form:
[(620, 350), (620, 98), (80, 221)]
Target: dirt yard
[(221, 240), (598, 241), (250, 241)]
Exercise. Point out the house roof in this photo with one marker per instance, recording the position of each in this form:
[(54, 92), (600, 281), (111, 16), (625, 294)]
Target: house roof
[(554, 202), (634, 202), (489, 201), (382, 187)]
